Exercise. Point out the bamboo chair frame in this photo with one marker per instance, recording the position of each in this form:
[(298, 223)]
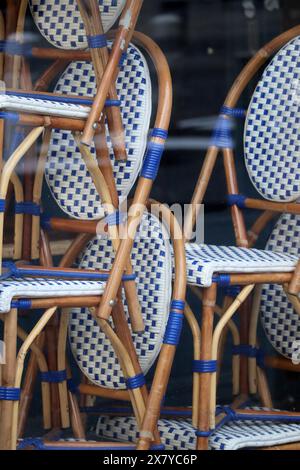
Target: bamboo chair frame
[(210, 337)]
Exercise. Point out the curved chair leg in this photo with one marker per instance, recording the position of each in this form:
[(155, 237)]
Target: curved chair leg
[(253, 339), (28, 389), (8, 169), (45, 388), (195, 329), (20, 366), (242, 296), (61, 365), (235, 338)]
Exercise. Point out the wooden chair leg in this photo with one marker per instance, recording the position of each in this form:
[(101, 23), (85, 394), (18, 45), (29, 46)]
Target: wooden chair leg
[(209, 301), (18, 370), (8, 377), (61, 365)]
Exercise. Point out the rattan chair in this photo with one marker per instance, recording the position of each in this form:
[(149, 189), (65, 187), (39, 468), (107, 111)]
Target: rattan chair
[(74, 37), (272, 159), (37, 287)]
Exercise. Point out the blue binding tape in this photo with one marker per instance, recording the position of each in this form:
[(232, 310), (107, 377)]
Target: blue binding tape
[(223, 280), (97, 41), (161, 133), (35, 442), (152, 160), (54, 376), (177, 305), (117, 218), (222, 137), (233, 112), (204, 366), (135, 382), (111, 103), (203, 433), (27, 207), (23, 304), (173, 329), (13, 117), (244, 350), (2, 205), (10, 393), (236, 200)]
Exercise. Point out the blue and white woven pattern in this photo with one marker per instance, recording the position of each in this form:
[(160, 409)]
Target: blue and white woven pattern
[(66, 173), (37, 105), (45, 288), (272, 139), (59, 21), (205, 260), (151, 261), (280, 321), (179, 434)]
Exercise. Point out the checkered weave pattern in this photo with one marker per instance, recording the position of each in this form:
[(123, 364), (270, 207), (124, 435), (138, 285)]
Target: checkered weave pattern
[(45, 288), (66, 173), (151, 261), (205, 260), (271, 138), (179, 434), (280, 321), (59, 21)]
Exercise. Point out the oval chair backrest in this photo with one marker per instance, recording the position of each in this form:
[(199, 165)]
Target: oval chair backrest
[(59, 21), (271, 137), (68, 179), (280, 321), (151, 261)]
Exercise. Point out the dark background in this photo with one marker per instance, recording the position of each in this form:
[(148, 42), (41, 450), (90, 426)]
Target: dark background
[(207, 42)]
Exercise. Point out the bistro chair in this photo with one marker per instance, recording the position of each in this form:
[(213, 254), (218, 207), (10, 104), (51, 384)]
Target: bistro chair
[(272, 160), (73, 37), (59, 281)]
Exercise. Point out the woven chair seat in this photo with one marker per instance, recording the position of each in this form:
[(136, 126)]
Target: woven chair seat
[(179, 434), (61, 24), (30, 287), (43, 104), (203, 261)]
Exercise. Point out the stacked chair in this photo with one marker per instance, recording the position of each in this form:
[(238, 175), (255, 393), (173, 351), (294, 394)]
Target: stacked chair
[(113, 286), (94, 137), (271, 152)]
